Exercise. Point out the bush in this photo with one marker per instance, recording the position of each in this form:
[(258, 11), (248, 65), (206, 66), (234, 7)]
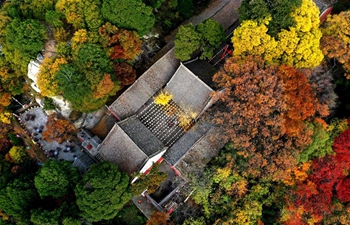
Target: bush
[(14, 139), (48, 104)]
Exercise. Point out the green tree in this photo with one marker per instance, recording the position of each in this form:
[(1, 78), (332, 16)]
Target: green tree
[(212, 32), (318, 148), (24, 40), (102, 192), (253, 10), (280, 11), (53, 18), (130, 215), (186, 8), (187, 41), (154, 3), (139, 16), (92, 57), (36, 8), (71, 221), (212, 36), (25, 36), (45, 217), (74, 85), (48, 104), (56, 179), (5, 172), (92, 14), (18, 198)]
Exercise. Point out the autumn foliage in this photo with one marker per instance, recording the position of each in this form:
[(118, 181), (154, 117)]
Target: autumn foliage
[(46, 76), (328, 180), (263, 111), (124, 44), (301, 100), (124, 73), (335, 42), (57, 129), (105, 86), (297, 45), (158, 218)]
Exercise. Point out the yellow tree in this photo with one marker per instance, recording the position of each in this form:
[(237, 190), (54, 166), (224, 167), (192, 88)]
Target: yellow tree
[(307, 52), (17, 154), (46, 77), (336, 40), (251, 38), (73, 11), (298, 46)]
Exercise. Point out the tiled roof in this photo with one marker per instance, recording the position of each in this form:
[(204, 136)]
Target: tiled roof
[(188, 140), (324, 4), (146, 86), (188, 91), (141, 136), (120, 149), (200, 154)]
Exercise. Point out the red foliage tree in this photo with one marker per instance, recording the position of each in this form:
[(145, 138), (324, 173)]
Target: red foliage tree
[(118, 52), (328, 175), (158, 218), (343, 190), (125, 73), (125, 44), (341, 146)]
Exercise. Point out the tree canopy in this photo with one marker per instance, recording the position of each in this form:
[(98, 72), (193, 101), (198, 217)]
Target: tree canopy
[(335, 42), (297, 46), (56, 179), (205, 37), (265, 116), (140, 17), (102, 192), (58, 129), (18, 198)]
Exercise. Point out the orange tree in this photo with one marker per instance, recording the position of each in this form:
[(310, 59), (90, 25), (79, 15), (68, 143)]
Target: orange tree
[(263, 114), (58, 129)]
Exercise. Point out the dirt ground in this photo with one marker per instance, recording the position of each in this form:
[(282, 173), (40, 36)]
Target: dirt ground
[(102, 128), (50, 49)]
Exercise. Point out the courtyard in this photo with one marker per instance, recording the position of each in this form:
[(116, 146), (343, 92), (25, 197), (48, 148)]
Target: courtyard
[(33, 120)]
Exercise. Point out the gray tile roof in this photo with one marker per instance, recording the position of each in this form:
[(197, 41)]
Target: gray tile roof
[(188, 91), (141, 135), (324, 4), (118, 148), (146, 86), (200, 154), (187, 141)]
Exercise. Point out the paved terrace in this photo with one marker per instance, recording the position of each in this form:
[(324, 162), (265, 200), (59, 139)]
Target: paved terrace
[(34, 120)]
